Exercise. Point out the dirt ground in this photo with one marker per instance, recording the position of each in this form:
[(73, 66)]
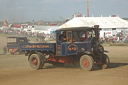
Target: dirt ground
[(15, 70)]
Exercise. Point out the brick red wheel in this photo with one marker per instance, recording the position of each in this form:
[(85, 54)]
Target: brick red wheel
[(35, 61), (11, 52), (86, 62)]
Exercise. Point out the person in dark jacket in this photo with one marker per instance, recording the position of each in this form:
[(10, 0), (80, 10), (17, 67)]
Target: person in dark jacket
[(63, 37)]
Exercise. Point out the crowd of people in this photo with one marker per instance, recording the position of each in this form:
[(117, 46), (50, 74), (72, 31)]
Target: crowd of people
[(42, 37), (119, 38), (38, 37)]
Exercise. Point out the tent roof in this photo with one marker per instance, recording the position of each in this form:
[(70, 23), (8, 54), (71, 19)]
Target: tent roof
[(75, 29), (44, 27), (103, 22)]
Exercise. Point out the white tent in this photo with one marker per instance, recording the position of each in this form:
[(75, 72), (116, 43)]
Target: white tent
[(103, 22)]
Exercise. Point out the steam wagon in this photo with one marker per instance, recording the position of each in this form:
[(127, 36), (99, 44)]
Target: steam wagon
[(80, 46), (13, 44)]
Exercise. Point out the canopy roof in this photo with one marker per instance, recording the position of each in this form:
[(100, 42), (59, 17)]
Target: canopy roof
[(76, 29), (45, 27), (103, 22)]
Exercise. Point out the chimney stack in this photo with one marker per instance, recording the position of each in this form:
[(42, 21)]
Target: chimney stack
[(87, 9)]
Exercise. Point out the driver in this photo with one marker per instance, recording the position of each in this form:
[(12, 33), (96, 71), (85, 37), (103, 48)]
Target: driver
[(63, 37)]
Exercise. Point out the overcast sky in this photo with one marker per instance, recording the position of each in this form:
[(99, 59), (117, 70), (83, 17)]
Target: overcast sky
[(52, 10)]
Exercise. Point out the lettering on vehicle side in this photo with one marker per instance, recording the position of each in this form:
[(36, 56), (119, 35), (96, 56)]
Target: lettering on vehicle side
[(37, 46), (72, 47)]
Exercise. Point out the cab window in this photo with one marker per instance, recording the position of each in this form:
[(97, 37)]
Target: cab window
[(69, 36)]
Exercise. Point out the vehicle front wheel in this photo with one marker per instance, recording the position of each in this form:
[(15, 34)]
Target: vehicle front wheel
[(86, 62), (104, 63), (36, 62)]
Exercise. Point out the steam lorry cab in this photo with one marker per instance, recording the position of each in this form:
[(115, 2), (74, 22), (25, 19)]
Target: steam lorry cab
[(81, 47)]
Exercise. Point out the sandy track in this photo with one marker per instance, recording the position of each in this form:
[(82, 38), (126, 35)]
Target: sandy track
[(15, 70)]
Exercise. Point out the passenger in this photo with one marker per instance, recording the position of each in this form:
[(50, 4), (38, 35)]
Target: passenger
[(69, 39), (78, 36), (74, 37)]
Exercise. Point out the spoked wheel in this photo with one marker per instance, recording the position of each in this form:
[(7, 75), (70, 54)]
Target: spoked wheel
[(86, 62), (57, 64), (104, 63), (35, 61)]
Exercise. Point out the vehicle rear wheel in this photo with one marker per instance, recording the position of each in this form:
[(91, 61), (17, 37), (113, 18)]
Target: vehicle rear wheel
[(104, 63), (57, 64), (11, 52), (86, 62), (36, 62)]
